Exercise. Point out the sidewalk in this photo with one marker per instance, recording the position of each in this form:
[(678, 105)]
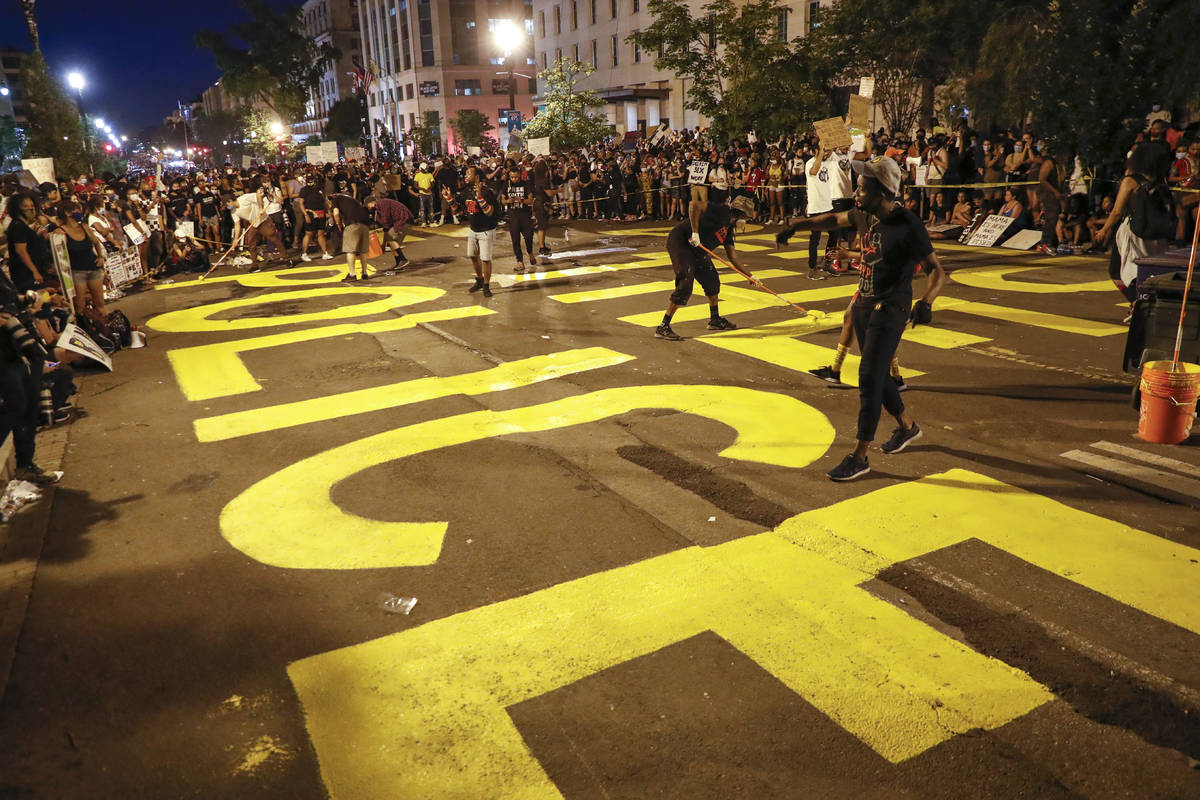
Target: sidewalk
[(20, 549)]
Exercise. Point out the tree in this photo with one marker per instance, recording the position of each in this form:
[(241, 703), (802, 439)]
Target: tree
[(567, 117), (219, 127), (345, 122), (31, 24), (258, 134), (11, 144), (54, 130), (741, 71), (421, 134), (470, 127), (279, 64)]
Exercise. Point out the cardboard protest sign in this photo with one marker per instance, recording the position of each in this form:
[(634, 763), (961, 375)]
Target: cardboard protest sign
[(629, 144), (922, 175), (516, 142), (866, 87), (355, 153), (77, 341), (474, 151), (1024, 240), (990, 231), (659, 134), (698, 173), (187, 229), (329, 152), (860, 112), (247, 162), (134, 233), (832, 133), (41, 168), (123, 266), (538, 147), (312, 154)]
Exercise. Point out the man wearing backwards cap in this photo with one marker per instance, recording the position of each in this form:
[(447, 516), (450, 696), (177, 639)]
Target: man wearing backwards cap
[(891, 250)]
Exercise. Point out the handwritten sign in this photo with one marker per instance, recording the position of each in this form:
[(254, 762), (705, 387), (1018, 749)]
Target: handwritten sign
[(41, 168), (860, 112), (698, 173), (866, 87), (135, 234), (123, 266), (987, 234), (472, 150), (355, 153), (832, 133), (1023, 240), (659, 134), (77, 341), (247, 162), (538, 147), (312, 154), (329, 152)]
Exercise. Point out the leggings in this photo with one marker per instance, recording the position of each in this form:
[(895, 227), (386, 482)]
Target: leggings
[(878, 328), (20, 389), (520, 225)]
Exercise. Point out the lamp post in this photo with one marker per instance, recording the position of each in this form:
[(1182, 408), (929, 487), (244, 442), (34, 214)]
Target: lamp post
[(507, 37)]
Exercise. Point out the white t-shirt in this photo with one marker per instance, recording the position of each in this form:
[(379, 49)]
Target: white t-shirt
[(840, 187), (819, 199), (248, 207)]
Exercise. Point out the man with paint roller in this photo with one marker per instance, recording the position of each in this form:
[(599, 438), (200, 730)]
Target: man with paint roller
[(709, 225), (892, 249)]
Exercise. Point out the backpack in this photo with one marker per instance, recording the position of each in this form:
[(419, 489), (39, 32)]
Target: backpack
[(122, 330), (98, 330), (1151, 210)]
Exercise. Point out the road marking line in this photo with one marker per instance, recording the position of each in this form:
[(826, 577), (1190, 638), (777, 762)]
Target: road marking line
[(208, 371), (794, 354), (289, 518), (199, 319), (656, 286), (505, 280), (736, 300), (1149, 458), (1037, 319), (509, 375), (1147, 479), (994, 278)]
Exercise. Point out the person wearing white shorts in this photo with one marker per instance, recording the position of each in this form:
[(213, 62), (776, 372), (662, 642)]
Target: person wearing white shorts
[(483, 213)]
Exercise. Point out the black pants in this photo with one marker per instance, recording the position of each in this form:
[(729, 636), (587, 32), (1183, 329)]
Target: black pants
[(520, 225), (878, 330), (690, 265), (20, 391), (1051, 210)]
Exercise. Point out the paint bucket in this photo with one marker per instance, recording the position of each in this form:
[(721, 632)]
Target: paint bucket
[(136, 339), (376, 247), (1168, 401)]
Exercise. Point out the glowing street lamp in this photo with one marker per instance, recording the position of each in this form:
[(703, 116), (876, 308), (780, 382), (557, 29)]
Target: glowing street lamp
[(508, 37), (75, 81), (99, 122), (276, 128)]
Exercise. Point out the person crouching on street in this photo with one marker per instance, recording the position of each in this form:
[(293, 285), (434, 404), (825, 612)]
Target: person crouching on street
[(392, 216), (352, 220)]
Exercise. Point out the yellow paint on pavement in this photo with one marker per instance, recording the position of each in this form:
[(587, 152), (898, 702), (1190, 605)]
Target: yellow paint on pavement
[(1036, 319), (941, 338), (422, 713), (735, 300), (508, 375), (995, 279), (320, 272), (778, 348), (216, 370), (199, 319), (653, 287), (290, 520)]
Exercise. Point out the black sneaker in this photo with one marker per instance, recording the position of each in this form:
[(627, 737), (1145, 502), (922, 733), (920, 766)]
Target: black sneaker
[(477, 285), (487, 290), (256, 268), (721, 324), (349, 278), (828, 374), (849, 469), (901, 438), (37, 476), (901, 386), (664, 332), (401, 265)]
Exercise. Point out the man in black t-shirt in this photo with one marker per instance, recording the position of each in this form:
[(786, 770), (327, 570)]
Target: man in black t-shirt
[(206, 209), (891, 250), (482, 208), (352, 220), (519, 199), (711, 225)]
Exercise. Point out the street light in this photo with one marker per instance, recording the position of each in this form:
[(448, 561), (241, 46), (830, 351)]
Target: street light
[(99, 122), (508, 37), (75, 81), (276, 128)]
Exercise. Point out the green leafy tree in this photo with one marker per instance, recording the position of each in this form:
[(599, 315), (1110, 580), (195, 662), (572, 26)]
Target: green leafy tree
[(279, 64), (55, 129), (470, 127), (421, 134), (219, 127), (11, 144), (741, 72), (259, 136), (568, 117), (345, 122), (27, 6)]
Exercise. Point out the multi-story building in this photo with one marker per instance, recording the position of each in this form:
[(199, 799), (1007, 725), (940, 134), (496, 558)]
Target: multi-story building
[(637, 95), (434, 58), (12, 91), (330, 22)]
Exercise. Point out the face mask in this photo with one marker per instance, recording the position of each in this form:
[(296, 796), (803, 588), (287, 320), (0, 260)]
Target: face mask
[(77, 216)]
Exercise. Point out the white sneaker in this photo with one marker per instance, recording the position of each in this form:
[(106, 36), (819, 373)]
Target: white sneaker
[(326, 257), (305, 257)]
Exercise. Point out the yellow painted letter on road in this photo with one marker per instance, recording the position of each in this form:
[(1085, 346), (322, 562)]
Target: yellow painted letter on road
[(317, 274), (996, 279), (422, 713), (290, 520), (205, 371), (199, 319)]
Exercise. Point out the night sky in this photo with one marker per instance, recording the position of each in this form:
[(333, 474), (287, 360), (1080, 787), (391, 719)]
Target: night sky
[(139, 56)]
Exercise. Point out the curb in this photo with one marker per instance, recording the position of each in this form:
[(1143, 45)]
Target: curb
[(21, 544)]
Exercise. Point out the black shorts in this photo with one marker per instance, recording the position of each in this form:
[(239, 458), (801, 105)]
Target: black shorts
[(691, 265), (315, 225), (541, 213)]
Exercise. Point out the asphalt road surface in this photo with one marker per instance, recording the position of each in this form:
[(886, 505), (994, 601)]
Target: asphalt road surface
[(633, 578)]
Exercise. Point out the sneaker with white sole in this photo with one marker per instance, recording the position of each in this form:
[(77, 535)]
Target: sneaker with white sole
[(664, 332), (305, 257), (849, 469), (326, 256), (828, 374), (720, 324), (901, 438)]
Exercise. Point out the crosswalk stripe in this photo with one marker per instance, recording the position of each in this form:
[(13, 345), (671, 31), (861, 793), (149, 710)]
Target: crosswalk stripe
[(1149, 458), (655, 286), (1142, 478)]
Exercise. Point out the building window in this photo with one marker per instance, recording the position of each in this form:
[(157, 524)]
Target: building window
[(425, 27), (637, 6), (408, 92), (814, 11), (613, 5), (615, 50), (406, 44), (543, 61), (637, 52), (593, 7), (781, 26), (595, 57), (557, 20), (576, 52), (467, 87), (542, 24), (500, 86), (574, 14), (558, 54)]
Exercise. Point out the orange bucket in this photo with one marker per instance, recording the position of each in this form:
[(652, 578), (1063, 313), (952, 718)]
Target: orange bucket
[(376, 247), (1168, 401)]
